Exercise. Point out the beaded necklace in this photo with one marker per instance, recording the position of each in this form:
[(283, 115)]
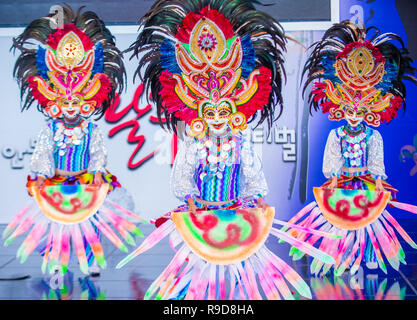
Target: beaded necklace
[(354, 135), (218, 153)]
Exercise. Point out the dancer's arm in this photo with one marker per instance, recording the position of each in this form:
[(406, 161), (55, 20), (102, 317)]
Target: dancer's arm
[(183, 185), (332, 159), (42, 160)]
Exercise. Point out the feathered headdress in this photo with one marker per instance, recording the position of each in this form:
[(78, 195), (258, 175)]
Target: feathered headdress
[(78, 59), (194, 52), (346, 68)]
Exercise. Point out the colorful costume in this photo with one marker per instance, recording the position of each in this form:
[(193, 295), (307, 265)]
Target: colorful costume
[(73, 74), (214, 65), (361, 79)]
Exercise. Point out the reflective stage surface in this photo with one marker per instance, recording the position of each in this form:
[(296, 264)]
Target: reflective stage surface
[(131, 282)]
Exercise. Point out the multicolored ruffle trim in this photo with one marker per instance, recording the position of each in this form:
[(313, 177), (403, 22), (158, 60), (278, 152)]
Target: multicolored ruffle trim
[(85, 178)]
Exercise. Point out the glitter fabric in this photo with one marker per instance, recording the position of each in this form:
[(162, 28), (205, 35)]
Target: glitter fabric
[(42, 161), (376, 156)]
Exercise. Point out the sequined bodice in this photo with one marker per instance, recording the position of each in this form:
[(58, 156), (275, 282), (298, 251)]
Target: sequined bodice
[(217, 175), (71, 145)]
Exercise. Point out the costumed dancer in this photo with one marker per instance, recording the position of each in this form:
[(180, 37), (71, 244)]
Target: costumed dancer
[(215, 65), (73, 74), (357, 75)]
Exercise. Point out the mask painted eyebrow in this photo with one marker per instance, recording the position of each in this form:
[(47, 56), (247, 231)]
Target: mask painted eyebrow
[(209, 108)]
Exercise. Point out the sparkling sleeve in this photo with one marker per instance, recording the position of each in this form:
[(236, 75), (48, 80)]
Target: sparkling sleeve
[(42, 161), (376, 156), (98, 152), (333, 159), (252, 183), (183, 170)]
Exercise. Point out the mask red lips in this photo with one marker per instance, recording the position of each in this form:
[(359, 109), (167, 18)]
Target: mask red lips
[(218, 126)]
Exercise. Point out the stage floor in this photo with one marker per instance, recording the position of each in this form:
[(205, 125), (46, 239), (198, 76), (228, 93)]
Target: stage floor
[(131, 282)]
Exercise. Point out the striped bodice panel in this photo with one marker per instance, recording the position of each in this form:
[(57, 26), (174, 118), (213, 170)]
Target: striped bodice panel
[(76, 156), (222, 187)]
